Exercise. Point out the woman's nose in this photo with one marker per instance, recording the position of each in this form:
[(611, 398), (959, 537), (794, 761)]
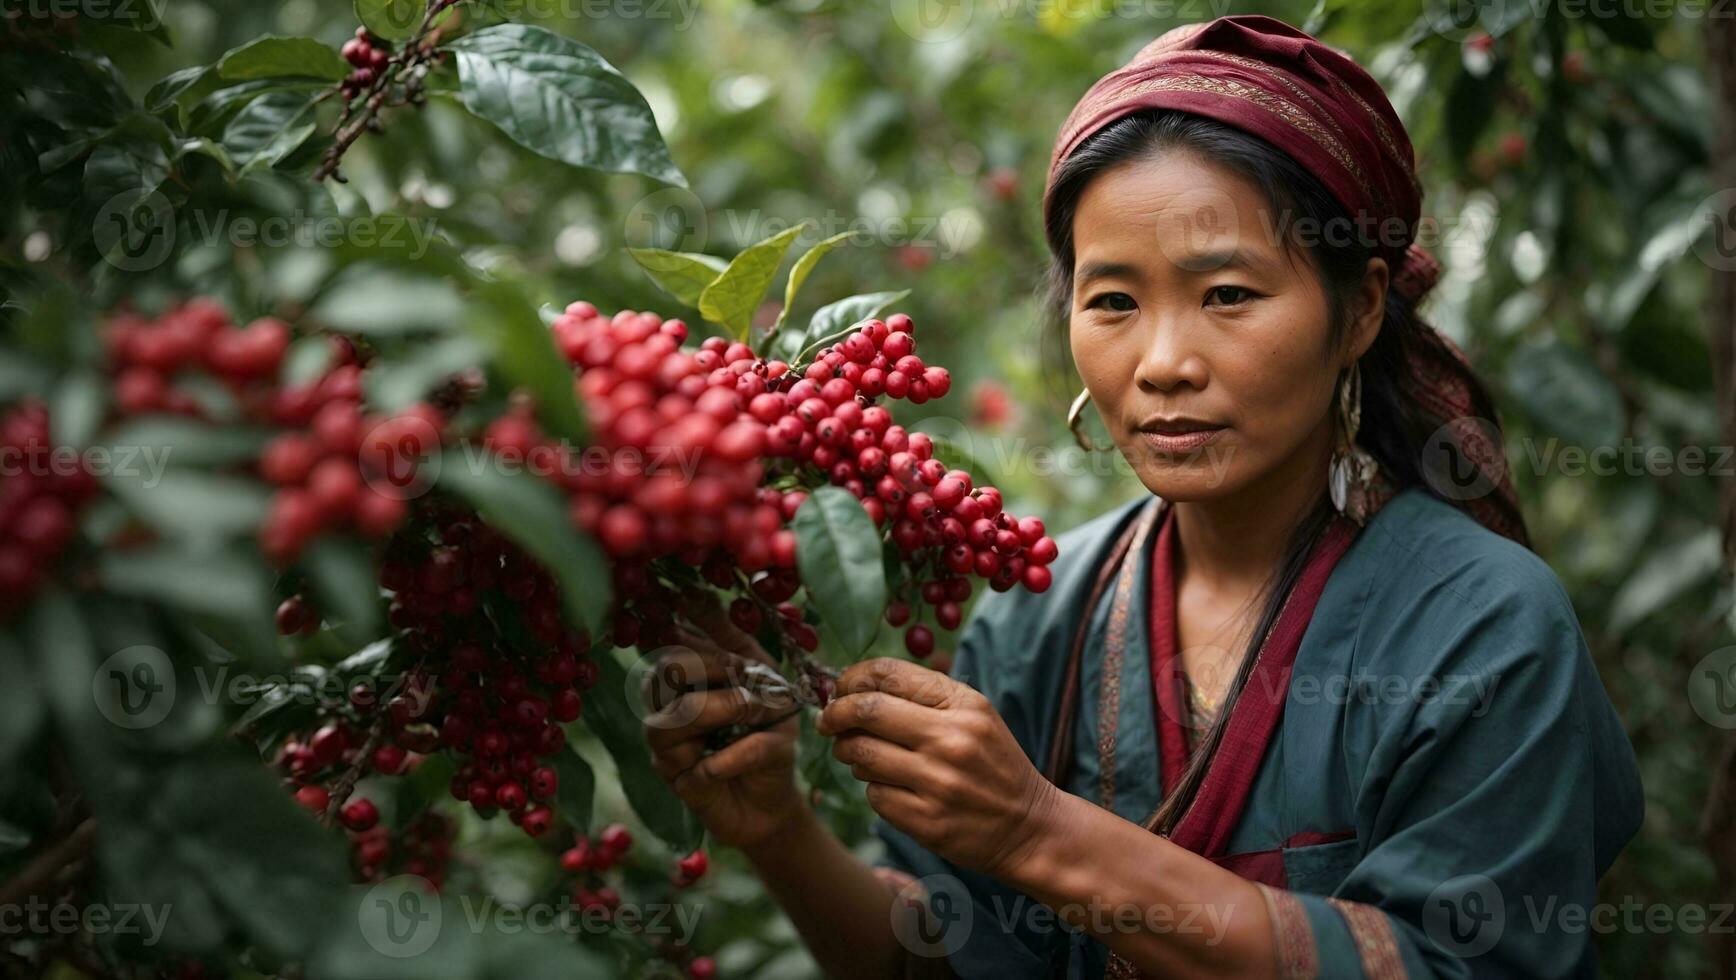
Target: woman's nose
[(1168, 359)]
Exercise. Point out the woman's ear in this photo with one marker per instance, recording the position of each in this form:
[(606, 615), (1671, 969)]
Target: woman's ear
[(1370, 308)]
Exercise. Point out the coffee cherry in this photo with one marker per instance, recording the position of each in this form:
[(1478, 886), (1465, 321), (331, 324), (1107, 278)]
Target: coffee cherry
[(359, 815), (919, 641)]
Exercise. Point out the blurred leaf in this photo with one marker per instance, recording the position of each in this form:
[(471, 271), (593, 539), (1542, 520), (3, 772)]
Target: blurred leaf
[(307, 360), (159, 441), (80, 401), (192, 505), (181, 89), (577, 787), (559, 98), (1666, 574), (227, 586), (1624, 27), (838, 554), (734, 296), (391, 20), (533, 514), (1566, 394), (379, 303), (803, 267), (273, 57), (21, 705), (621, 730), (342, 573), (683, 275), (394, 384), (524, 351)]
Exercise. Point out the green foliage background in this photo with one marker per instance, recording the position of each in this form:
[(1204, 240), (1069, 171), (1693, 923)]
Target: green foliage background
[(1574, 273)]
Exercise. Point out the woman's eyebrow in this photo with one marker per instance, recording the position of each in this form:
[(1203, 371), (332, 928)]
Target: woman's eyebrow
[(1092, 271), (1222, 258)]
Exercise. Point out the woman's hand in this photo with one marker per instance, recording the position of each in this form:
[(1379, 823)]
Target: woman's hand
[(744, 792), (940, 764)]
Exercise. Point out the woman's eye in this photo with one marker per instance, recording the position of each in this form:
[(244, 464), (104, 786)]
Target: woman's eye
[(1114, 302), (1228, 295)]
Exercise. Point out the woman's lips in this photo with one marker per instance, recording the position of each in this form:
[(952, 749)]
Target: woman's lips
[(1180, 441)]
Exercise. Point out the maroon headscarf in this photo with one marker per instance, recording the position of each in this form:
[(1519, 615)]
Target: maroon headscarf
[(1304, 97)]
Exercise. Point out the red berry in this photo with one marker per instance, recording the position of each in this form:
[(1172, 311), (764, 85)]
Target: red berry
[(694, 865), (389, 759), (615, 840), (919, 640), (314, 798), (360, 815), (538, 820)]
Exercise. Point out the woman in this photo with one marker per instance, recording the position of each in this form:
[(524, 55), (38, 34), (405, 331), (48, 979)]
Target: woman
[(1316, 708)]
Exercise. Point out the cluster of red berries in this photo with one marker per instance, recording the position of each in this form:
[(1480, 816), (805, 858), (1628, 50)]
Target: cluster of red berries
[(423, 849), (368, 58), (699, 445), (344, 468), (337, 467), (590, 860), (496, 707), (147, 356), (41, 493)]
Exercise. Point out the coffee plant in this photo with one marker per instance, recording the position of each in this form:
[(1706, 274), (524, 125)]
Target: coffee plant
[(435, 568)]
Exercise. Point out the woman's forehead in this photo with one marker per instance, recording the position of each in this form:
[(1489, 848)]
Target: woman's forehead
[(1201, 215)]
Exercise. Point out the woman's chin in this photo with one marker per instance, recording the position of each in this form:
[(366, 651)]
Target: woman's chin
[(1204, 475)]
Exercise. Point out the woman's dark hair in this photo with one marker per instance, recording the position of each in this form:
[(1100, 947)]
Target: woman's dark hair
[(1395, 423)]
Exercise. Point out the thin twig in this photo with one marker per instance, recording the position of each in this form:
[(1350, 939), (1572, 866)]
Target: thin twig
[(48, 865)]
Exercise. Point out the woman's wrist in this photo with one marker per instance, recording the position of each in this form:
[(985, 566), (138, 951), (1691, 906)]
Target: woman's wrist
[(1039, 850), (788, 841)]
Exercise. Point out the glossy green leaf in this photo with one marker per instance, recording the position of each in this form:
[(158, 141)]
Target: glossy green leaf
[(838, 554), (804, 266), (391, 20), (560, 99), (273, 57), (683, 275), (345, 586), (734, 296), (269, 129)]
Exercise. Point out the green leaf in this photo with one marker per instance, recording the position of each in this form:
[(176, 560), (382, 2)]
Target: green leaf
[(180, 90), (834, 319), (1566, 394), (394, 385), (534, 515), (838, 555), (342, 574), (228, 586), (1665, 575), (577, 788), (21, 704), (154, 442), (268, 129), (799, 274), (524, 350), (612, 719), (379, 303), (274, 57), (732, 298), (79, 404), (391, 20), (191, 505), (562, 100), (219, 833), (683, 275)]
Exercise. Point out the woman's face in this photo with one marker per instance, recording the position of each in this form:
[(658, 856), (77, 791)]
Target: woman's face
[(1203, 342)]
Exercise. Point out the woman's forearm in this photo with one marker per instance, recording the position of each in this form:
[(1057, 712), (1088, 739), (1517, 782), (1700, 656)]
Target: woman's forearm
[(1165, 909), (842, 910)]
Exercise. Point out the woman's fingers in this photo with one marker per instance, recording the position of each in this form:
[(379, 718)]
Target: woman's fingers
[(695, 715), (899, 678), (761, 750), (890, 717), (875, 760)]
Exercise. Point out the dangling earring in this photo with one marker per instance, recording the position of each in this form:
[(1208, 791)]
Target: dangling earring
[(1353, 470), (1075, 421)]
